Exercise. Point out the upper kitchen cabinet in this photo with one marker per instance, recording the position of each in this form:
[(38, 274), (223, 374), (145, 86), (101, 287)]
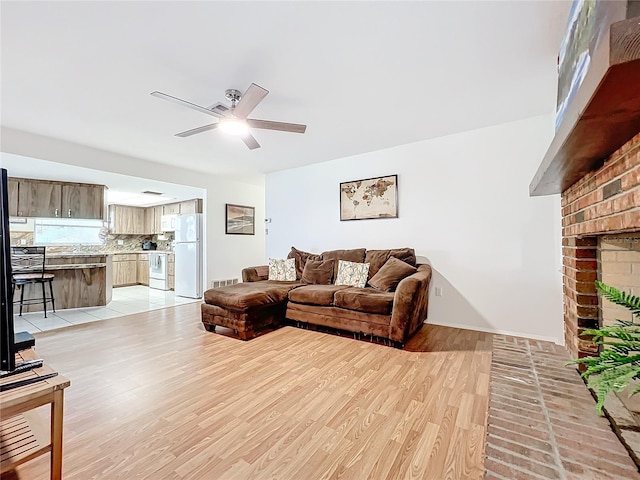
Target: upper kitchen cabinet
[(171, 209), (191, 206), (39, 199), (127, 220), (48, 199), (149, 220), (13, 197), (83, 201), (157, 219), (153, 220)]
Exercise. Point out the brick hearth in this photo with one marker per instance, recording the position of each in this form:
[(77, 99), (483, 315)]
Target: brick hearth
[(542, 420)]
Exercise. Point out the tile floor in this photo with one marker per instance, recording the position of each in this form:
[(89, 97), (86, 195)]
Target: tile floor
[(125, 301)]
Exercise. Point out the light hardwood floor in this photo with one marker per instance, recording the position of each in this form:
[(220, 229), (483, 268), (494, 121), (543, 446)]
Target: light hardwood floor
[(154, 396)]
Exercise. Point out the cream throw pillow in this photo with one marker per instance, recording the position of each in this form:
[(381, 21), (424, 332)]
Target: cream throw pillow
[(283, 270), (352, 274)]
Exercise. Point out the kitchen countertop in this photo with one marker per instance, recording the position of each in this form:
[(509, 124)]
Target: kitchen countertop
[(140, 251), (101, 254), (73, 255), (75, 266)]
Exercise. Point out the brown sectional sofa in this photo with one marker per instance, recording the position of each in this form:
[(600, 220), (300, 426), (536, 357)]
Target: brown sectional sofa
[(258, 303)]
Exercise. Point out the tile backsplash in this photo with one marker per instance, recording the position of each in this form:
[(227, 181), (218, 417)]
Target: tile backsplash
[(129, 243)]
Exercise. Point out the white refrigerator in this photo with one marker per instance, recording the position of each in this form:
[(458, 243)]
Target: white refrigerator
[(188, 252)]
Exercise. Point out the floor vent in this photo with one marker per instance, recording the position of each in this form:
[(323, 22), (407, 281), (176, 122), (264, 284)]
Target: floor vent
[(223, 283)]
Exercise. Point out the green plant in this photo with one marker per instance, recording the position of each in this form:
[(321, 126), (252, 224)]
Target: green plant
[(619, 362)]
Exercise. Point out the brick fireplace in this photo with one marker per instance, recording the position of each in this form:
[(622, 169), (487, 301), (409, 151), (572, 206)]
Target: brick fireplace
[(600, 240)]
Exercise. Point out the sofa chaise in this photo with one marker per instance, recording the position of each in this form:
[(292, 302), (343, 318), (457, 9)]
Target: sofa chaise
[(392, 305)]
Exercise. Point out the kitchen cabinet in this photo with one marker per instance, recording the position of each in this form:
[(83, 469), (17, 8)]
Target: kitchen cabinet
[(125, 269), (171, 209), (126, 220), (142, 269), (13, 197), (39, 199), (157, 224), (171, 270), (153, 220), (48, 199), (149, 220), (83, 201), (191, 206)]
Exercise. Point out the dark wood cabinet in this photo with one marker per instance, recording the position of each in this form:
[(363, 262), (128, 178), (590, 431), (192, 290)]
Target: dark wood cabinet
[(13, 197), (48, 199), (83, 201), (39, 199)]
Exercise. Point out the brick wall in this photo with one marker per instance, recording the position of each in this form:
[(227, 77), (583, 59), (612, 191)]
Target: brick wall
[(619, 257), (606, 201)]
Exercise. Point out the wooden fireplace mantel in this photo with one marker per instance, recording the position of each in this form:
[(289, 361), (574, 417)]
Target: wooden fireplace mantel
[(603, 116)]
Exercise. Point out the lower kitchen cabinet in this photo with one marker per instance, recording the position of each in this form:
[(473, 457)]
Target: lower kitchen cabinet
[(143, 269), (171, 271), (125, 269)]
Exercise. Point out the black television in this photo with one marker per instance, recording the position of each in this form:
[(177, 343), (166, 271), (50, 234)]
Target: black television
[(7, 346)]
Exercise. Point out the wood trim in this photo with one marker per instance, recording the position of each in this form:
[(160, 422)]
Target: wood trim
[(603, 116)]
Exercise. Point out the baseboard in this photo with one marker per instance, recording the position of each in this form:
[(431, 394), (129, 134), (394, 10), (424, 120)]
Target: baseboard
[(498, 332)]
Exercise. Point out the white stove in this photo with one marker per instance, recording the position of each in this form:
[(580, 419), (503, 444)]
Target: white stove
[(158, 271)]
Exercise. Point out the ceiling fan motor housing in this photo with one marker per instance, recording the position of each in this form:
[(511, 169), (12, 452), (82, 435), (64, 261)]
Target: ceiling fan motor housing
[(233, 96)]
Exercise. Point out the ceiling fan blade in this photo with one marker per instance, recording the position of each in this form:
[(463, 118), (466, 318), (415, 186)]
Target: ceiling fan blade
[(184, 103), (250, 100), (269, 125), (193, 131), (250, 141)]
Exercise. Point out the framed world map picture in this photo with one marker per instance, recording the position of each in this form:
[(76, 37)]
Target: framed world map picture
[(369, 198)]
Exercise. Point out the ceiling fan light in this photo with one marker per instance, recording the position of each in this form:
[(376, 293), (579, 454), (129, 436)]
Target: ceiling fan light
[(234, 126)]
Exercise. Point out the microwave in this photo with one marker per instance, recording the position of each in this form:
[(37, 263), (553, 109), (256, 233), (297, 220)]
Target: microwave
[(168, 223)]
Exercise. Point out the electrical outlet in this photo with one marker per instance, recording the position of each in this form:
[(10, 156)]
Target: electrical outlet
[(120, 242), (438, 291), (23, 241)]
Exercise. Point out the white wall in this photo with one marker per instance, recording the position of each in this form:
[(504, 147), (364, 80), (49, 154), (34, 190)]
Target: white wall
[(464, 205), (225, 255)]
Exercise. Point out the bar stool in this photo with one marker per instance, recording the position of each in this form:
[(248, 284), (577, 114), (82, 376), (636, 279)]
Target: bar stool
[(28, 264)]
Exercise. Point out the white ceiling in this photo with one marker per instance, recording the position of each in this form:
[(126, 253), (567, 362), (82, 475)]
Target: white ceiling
[(362, 75)]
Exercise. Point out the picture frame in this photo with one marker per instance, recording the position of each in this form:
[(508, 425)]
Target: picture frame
[(369, 198), (239, 219)]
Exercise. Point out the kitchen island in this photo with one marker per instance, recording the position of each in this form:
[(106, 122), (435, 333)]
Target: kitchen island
[(81, 280)]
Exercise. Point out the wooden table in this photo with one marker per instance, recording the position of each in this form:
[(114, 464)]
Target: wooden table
[(23, 436)]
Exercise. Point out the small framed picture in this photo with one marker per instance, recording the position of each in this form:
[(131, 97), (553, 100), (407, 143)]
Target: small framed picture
[(240, 220)]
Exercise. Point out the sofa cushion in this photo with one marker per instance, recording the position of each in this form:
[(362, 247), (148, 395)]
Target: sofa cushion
[(301, 259), (355, 255), (364, 300), (390, 275), (318, 272), (315, 294), (282, 270), (377, 258), (243, 296), (352, 274)]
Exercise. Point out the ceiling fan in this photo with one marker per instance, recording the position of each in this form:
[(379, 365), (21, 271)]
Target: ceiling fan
[(233, 119)]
